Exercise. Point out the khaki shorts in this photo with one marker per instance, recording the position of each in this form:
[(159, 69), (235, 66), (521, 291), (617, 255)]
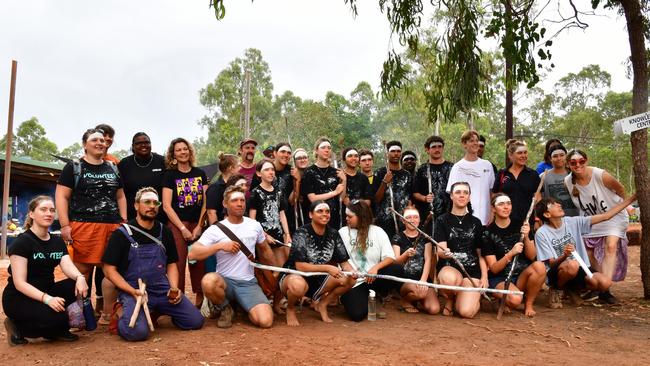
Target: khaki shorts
[(89, 240)]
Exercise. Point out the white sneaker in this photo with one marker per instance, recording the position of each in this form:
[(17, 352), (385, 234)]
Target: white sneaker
[(209, 310)]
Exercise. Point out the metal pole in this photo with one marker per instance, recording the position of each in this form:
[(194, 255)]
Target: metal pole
[(7, 171)]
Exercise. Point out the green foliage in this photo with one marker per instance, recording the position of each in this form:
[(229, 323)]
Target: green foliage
[(73, 151), (30, 141)]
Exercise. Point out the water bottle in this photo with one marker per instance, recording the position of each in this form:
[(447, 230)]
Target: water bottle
[(372, 306), (89, 314), (191, 261)]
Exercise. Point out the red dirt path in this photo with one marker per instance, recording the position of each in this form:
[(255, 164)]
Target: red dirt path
[(589, 334)]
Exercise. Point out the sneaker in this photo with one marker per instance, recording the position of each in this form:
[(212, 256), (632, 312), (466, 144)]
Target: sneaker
[(65, 337), (555, 299), (225, 319), (13, 337), (209, 310), (607, 298), (589, 296), (574, 297)]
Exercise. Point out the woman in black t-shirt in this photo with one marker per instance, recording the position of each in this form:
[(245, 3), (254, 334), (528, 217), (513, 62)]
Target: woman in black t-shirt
[(228, 166), (460, 232), (323, 182), (414, 254), (143, 168), (35, 304), (500, 244), (184, 188)]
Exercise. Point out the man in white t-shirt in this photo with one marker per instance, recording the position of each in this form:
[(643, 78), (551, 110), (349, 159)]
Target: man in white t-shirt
[(235, 279), (478, 173)]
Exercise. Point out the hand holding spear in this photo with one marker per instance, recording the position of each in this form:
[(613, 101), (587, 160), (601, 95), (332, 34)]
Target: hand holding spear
[(141, 303)]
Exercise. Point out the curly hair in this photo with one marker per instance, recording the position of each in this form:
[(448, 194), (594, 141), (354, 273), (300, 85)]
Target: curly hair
[(170, 160)]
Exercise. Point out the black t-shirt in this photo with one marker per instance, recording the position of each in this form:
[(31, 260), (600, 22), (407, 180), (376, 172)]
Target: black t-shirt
[(414, 266), (214, 197), (94, 199), (520, 190), (268, 206), (137, 174), (402, 184), (117, 250), (358, 187), (319, 181), (187, 192), (463, 239), (499, 241), (283, 181), (309, 247), (439, 174), (42, 257)]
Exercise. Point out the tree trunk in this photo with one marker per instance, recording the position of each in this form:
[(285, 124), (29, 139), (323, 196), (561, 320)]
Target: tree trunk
[(639, 139)]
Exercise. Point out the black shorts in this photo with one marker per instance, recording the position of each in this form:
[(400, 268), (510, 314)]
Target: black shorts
[(578, 282), (315, 285)]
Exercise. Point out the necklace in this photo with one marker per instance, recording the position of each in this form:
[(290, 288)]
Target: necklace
[(322, 172), (460, 219), (143, 166)]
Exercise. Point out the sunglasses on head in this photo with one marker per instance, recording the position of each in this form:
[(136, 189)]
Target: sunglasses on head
[(576, 162)]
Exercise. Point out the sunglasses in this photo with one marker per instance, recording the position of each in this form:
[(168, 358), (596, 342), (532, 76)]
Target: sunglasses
[(575, 162), (155, 203)]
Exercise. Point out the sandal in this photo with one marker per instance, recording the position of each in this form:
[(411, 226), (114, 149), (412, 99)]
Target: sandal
[(448, 311), (104, 319), (409, 309)]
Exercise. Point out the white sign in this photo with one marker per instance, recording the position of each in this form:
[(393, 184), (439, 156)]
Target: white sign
[(633, 123)]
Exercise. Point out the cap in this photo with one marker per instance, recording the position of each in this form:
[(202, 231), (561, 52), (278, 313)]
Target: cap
[(247, 140)]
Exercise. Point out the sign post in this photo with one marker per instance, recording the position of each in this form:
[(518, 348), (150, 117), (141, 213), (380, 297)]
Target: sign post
[(632, 123)]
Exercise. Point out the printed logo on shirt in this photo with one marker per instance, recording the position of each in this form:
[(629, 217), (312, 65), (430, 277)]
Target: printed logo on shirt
[(189, 191), (99, 176), (53, 255)]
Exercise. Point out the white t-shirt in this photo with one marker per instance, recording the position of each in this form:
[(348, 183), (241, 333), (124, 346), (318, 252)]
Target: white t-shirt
[(480, 176), (550, 242), (235, 266), (378, 249)]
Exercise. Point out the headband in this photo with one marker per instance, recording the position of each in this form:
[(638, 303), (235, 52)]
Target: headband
[(349, 212), (364, 155), (285, 148), (502, 199), (394, 148), (241, 182), (324, 144), (408, 156), (237, 195), (265, 163), (300, 153), (436, 144), (149, 196), (557, 151), (460, 185), (573, 156), (521, 148), (322, 206), (351, 152), (481, 143), (411, 210), (95, 135)]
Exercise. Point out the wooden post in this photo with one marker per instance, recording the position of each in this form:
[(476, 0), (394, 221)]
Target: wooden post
[(7, 171)]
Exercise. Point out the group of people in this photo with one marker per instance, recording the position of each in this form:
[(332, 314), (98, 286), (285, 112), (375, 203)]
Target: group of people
[(326, 230)]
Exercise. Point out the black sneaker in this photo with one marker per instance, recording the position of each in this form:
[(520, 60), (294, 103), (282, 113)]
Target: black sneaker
[(13, 337), (590, 296), (607, 298), (67, 337)]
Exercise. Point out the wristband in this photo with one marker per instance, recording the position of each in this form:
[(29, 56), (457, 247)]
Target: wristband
[(43, 297), (47, 301)]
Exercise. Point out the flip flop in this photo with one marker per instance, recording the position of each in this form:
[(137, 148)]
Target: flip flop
[(409, 309)]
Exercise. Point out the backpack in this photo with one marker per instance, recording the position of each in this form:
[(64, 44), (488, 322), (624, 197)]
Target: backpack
[(76, 170)]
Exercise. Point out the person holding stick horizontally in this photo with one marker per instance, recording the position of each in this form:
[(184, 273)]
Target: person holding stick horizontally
[(560, 246), (144, 250)]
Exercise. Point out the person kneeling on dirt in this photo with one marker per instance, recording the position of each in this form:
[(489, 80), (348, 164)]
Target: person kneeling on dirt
[(144, 249), (235, 279), (557, 241), (316, 247)]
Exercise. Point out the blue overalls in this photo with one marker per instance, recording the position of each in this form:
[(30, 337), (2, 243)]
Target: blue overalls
[(149, 262)]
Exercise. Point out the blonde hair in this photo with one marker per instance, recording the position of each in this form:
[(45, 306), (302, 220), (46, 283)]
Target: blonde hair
[(467, 135), (513, 144), (144, 190), (31, 207)]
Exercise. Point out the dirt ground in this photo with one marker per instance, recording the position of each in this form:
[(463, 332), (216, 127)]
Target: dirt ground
[(589, 334)]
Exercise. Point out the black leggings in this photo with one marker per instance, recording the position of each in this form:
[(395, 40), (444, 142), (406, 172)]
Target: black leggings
[(355, 301), (33, 318)]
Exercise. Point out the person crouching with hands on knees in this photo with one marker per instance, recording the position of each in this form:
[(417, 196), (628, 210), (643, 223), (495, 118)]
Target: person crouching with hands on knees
[(33, 303), (558, 239), (316, 247), (234, 280), (145, 249)]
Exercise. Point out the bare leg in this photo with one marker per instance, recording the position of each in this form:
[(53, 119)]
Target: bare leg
[(294, 287), (431, 304), (214, 287), (468, 303), (449, 276), (410, 295), (531, 280), (261, 315), (110, 296), (609, 261), (334, 288), (566, 272)]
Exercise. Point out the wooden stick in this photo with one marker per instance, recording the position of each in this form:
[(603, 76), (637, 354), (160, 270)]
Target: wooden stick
[(136, 311), (147, 315)]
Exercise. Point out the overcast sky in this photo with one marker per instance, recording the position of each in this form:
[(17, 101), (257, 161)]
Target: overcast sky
[(138, 65)]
